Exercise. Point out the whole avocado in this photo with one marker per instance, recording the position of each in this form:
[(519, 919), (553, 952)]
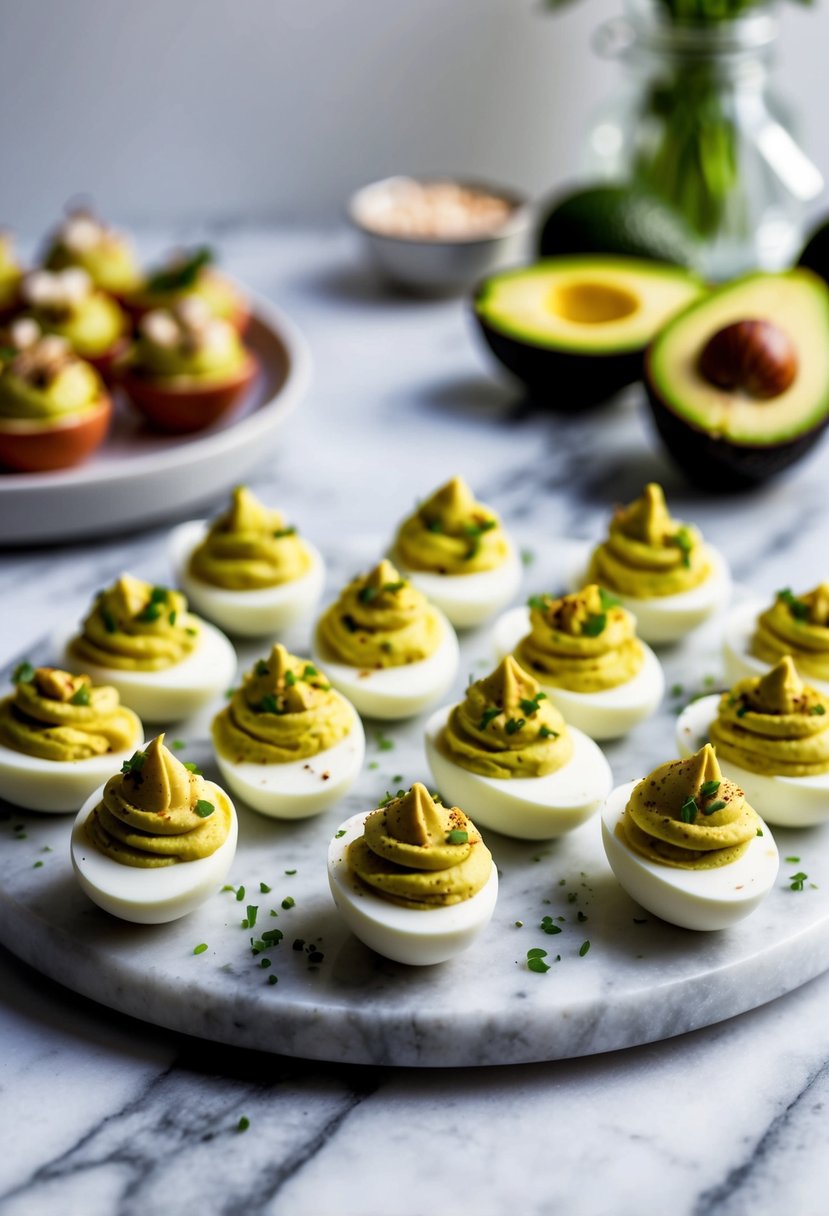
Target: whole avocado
[(615, 220)]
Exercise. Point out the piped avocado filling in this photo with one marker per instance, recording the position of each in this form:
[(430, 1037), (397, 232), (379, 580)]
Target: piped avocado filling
[(450, 533), (506, 727), (134, 626), (285, 710), (58, 716), (583, 642), (45, 383), (156, 812), (799, 626), (687, 815), (249, 547), (419, 853), (775, 725)]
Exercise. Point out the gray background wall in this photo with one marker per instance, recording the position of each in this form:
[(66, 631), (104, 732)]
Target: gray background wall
[(276, 109)]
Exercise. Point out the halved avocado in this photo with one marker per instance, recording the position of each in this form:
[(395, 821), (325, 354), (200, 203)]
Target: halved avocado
[(729, 438), (573, 329)]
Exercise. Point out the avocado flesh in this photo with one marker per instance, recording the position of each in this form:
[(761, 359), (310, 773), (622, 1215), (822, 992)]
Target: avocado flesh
[(798, 303), (585, 305)]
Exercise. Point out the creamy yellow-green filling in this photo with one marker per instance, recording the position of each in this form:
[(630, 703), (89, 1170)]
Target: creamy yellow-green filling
[(107, 256), (451, 533), (187, 344), (419, 853), (583, 642), (249, 547), (799, 626), (135, 626), (47, 384), (506, 727), (58, 716), (687, 815), (156, 812), (775, 725), (647, 553), (284, 710), (380, 620)]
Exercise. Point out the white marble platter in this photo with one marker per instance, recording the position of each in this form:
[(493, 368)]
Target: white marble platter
[(640, 979)]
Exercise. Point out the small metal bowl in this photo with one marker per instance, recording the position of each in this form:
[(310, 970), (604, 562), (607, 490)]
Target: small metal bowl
[(439, 265)]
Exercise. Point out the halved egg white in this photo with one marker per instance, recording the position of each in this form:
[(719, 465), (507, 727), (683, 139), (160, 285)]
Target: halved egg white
[(299, 788), (59, 786), (468, 599), (148, 896), (394, 692), (416, 936), (601, 715), (693, 899), (786, 802), (528, 808), (174, 692), (738, 660), (668, 618), (256, 613)]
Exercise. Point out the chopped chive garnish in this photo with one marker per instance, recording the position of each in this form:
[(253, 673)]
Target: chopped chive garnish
[(240, 894), (607, 600), (264, 962), (81, 695), (243, 1124), (798, 608), (309, 672), (793, 860), (273, 936), (133, 766), (530, 707), (23, 673), (515, 724), (290, 679), (341, 832), (281, 533), (818, 709), (527, 557), (713, 807), (384, 744), (110, 624), (540, 602), (688, 810), (171, 616), (268, 705), (580, 916), (545, 733), (797, 880), (290, 872), (684, 541), (535, 960), (742, 711), (178, 745), (709, 787), (204, 808), (253, 912), (594, 625), (548, 925), (677, 690), (191, 631), (264, 888), (192, 767), (37, 865), (288, 902), (200, 949), (583, 948), (261, 668), (457, 836), (273, 979)]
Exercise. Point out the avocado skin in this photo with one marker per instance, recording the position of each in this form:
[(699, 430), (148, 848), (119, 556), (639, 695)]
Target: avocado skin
[(562, 381), (815, 255), (615, 220), (718, 464)]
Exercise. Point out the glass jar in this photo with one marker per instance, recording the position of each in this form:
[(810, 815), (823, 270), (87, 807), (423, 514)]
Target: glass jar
[(696, 124)]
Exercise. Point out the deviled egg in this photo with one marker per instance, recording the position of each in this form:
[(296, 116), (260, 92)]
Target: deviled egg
[(771, 733), (247, 570), (658, 568), (413, 879), (385, 647), (155, 841), (165, 662), (287, 743), (685, 844), (583, 651), (507, 751), (60, 737), (757, 636), (456, 552)]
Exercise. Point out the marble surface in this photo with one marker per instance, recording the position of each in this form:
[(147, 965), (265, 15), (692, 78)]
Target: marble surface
[(103, 1114)]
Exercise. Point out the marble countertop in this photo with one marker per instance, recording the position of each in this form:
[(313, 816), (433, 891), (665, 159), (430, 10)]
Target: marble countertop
[(103, 1114)]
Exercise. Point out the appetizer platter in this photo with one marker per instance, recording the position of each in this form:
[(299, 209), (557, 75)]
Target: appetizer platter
[(568, 942)]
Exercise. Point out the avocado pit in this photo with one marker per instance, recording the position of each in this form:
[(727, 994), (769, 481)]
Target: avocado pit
[(752, 356)]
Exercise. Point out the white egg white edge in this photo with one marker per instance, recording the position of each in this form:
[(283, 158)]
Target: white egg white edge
[(738, 661), (621, 700), (57, 787), (791, 802), (668, 618), (458, 922), (527, 808), (213, 661), (253, 613), (297, 789), (187, 882), (468, 599), (709, 899), (375, 691)]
